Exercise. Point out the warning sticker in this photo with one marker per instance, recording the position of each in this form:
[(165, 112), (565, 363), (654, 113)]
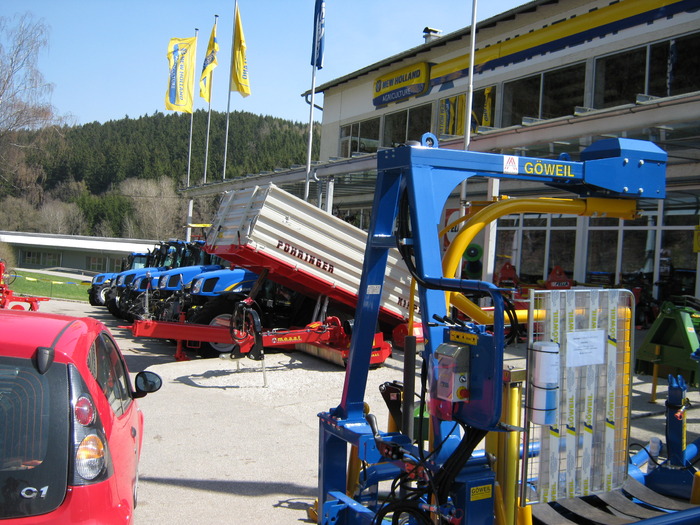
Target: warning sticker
[(481, 492)]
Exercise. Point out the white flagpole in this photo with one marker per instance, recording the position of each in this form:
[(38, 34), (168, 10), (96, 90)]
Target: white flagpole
[(468, 119), (211, 87), (311, 130), (470, 92), (319, 27), (190, 204), (230, 87)]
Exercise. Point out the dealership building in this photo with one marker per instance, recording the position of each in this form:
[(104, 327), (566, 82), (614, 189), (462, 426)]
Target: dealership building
[(549, 79)]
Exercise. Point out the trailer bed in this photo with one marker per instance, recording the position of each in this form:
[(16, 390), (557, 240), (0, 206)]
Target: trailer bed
[(302, 247)]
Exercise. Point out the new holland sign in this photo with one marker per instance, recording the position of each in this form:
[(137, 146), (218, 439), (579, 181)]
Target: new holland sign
[(401, 84)]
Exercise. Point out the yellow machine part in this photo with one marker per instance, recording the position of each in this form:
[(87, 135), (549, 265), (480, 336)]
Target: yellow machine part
[(619, 208)]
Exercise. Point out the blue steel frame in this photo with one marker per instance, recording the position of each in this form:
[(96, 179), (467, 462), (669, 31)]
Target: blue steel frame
[(428, 175)]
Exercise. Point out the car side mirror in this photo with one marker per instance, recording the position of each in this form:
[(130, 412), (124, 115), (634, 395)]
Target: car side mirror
[(146, 383)]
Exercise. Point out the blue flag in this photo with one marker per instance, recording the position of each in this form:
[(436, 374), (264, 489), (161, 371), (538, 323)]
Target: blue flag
[(319, 34)]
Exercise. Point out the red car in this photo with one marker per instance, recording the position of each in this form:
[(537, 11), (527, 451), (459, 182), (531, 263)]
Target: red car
[(70, 428)]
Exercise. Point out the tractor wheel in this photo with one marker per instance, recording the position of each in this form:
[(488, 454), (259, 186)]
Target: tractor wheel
[(113, 307), (92, 297), (97, 295), (214, 313), (102, 294)]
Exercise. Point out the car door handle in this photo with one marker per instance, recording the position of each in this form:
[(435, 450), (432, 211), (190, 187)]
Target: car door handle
[(133, 432)]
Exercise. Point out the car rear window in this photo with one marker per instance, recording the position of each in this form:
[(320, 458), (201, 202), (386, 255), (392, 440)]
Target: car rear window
[(34, 437)]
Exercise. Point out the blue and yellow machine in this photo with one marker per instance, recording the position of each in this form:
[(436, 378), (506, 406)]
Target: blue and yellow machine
[(463, 377)]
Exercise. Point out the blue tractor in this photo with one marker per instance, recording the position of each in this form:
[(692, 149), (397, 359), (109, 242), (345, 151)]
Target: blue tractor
[(160, 294), (165, 255), (97, 293)]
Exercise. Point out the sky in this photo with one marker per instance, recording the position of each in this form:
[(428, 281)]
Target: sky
[(106, 59)]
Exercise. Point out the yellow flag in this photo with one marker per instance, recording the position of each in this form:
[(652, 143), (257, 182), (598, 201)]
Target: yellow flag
[(210, 63), (181, 59), (239, 64)]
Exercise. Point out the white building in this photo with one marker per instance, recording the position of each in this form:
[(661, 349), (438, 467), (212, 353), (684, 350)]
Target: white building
[(550, 78), (76, 252)]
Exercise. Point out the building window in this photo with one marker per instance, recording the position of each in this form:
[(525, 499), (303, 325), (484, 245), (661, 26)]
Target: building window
[(359, 137), (30, 258), (677, 264), (671, 70), (50, 259), (602, 253), (96, 264), (674, 66), (451, 112), (563, 90), (620, 78), (409, 124), (547, 95), (562, 244), (395, 129), (521, 98), (113, 265), (532, 260)]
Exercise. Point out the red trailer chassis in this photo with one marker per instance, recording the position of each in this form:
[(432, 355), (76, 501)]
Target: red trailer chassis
[(328, 340), (7, 296)]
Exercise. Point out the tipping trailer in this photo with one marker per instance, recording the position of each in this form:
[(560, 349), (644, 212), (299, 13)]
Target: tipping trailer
[(301, 248)]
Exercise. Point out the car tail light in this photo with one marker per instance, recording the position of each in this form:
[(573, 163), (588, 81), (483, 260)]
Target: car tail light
[(91, 462), (90, 457), (84, 411)]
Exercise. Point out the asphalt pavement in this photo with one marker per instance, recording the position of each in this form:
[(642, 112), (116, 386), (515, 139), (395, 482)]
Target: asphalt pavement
[(227, 442)]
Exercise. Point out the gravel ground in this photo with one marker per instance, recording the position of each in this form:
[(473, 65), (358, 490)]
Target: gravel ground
[(221, 447)]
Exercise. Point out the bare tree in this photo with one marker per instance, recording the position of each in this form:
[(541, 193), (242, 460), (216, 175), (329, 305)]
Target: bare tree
[(158, 211), (16, 214), (24, 105), (61, 217), (23, 90)]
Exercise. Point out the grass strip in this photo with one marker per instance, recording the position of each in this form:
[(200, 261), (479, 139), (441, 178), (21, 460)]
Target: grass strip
[(42, 285)]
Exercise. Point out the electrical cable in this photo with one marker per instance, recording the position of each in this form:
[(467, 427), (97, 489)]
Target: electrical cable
[(454, 464), (512, 314), (645, 449)]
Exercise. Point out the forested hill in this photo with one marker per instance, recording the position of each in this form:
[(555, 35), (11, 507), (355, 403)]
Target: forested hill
[(97, 172), (150, 147)]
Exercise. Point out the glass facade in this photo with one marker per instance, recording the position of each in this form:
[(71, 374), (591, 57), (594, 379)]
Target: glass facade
[(360, 137), (616, 252), (653, 252), (658, 69), (409, 124)]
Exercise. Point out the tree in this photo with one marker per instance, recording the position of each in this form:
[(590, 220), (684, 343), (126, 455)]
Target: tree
[(23, 101), (17, 215), (61, 217), (158, 211), (23, 90)]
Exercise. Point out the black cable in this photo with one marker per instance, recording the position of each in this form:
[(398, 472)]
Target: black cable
[(642, 447), (400, 509), (454, 464), (510, 310)]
